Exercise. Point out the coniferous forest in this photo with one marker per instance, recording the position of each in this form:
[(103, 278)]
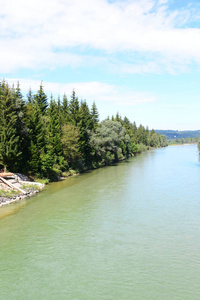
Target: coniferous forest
[(46, 138)]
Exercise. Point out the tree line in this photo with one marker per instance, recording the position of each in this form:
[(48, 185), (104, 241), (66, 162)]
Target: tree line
[(182, 141), (46, 137)]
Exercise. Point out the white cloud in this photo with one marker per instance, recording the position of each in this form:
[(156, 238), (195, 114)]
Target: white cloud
[(91, 91), (42, 34)]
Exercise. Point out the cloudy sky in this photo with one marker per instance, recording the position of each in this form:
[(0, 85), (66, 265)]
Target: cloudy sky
[(140, 58)]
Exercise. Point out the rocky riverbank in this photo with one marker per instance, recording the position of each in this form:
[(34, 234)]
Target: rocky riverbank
[(16, 187)]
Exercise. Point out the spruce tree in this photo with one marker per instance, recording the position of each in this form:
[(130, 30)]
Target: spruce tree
[(95, 116), (54, 128), (30, 96), (41, 99), (85, 125), (10, 153), (65, 110), (22, 129), (37, 136), (74, 109)]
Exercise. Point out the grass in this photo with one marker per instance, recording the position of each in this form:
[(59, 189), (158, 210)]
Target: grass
[(9, 194), (42, 180), (28, 187)]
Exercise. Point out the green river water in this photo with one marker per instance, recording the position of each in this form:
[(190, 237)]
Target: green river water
[(130, 231)]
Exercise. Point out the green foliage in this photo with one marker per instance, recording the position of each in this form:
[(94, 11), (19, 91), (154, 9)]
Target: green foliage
[(109, 141), (50, 138), (41, 99), (9, 193), (85, 124), (183, 141), (74, 109), (42, 180), (70, 144), (95, 116), (10, 152)]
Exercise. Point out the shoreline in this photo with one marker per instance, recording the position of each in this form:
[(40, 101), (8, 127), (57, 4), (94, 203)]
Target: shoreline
[(17, 187), (40, 186), (6, 200)]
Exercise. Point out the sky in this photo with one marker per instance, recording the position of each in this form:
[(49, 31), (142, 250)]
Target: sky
[(140, 58)]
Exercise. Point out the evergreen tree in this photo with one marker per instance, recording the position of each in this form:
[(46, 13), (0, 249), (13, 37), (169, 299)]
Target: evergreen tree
[(41, 99), (46, 140), (30, 96), (37, 136), (74, 109), (22, 130), (118, 117), (85, 124), (9, 139), (59, 112), (95, 116), (65, 110), (54, 128)]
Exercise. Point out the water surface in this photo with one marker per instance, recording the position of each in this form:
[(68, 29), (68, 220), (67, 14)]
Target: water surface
[(129, 231)]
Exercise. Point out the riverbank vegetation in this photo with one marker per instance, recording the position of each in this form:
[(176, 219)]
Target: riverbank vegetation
[(183, 141), (48, 138)]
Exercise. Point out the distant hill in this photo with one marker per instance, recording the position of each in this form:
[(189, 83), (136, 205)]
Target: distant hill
[(175, 134)]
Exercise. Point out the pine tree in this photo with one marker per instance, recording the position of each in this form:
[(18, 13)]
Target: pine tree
[(59, 111), (95, 116), (85, 125), (65, 110), (41, 99), (10, 152), (37, 136), (54, 128), (30, 96), (22, 129), (74, 109), (118, 117)]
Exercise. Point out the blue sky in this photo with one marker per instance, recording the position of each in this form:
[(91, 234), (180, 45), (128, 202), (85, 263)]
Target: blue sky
[(140, 58)]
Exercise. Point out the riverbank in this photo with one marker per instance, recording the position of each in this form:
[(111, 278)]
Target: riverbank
[(18, 186), (21, 186), (15, 187)]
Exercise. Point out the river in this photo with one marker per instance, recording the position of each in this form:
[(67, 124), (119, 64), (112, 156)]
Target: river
[(130, 231)]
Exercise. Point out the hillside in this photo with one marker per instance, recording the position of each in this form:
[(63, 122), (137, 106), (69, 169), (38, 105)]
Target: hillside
[(175, 134)]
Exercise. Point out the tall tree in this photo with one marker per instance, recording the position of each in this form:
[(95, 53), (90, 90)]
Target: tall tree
[(22, 130), (70, 143), (65, 110), (85, 125), (54, 128), (74, 109), (9, 139), (41, 99), (95, 116), (109, 141), (30, 96), (37, 136)]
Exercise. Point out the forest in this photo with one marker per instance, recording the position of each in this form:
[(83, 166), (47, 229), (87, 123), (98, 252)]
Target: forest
[(46, 138)]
